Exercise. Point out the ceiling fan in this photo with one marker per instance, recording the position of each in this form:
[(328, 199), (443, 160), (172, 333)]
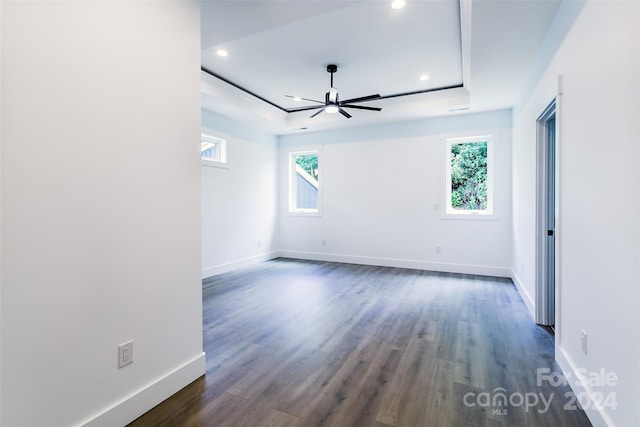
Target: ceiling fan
[(332, 103)]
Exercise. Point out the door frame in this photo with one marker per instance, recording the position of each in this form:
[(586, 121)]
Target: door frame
[(547, 264)]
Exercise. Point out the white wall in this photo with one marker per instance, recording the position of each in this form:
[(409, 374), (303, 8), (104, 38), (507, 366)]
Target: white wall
[(382, 190), (1, 36), (599, 217), (239, 222), (100, 208)]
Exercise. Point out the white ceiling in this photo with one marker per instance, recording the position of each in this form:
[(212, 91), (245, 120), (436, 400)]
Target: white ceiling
[(481, 50)]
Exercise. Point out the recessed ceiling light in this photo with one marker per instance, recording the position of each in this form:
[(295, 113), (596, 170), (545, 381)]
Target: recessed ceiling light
[(424, 77), (297, 98), (398, 4), (222, 52)]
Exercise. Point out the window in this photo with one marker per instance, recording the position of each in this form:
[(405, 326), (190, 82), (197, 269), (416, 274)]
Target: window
[(213, 151), (469, 176), (303, 180)]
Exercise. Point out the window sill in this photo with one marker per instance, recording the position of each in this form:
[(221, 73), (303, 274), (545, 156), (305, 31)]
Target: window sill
[(472, 217), (303, 213), (214, 164)]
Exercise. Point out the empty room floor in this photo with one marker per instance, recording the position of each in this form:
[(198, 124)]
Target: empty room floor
[(302, 343)]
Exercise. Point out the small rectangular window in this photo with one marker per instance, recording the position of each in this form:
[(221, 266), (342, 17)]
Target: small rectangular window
[(304, 182), (469, 176), (213, 150)]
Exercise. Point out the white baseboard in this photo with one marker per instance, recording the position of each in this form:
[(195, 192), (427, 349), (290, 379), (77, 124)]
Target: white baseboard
[(399, 263), (146, 398), (528, 301), (245, 262), (597, 417)]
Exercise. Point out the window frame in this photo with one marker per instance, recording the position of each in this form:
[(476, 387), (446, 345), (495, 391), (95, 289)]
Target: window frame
[(292, 208), (221, 161), (449, 212)]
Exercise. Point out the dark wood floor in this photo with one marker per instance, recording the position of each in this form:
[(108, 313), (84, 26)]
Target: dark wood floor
[(299, 343)]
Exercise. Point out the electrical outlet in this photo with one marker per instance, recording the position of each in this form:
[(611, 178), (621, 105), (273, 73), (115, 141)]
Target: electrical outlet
[(125, 354), (438, 249), (583, 335)]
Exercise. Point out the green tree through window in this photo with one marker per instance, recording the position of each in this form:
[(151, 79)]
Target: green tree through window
[(469, 176), (309, 163)]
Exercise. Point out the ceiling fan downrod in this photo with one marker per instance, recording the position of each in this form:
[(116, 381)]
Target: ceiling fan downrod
[(332, 68)]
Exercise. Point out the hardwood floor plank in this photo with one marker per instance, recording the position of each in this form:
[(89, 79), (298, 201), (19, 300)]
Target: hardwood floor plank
[(222, 407), (299, 398), (439, 400), (301, 343), (374, 389), (324, 410), (278, 419), (470, 364), (236, 352)]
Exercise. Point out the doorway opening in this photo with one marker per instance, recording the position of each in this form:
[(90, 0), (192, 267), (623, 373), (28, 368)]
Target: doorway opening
[(546, 133)]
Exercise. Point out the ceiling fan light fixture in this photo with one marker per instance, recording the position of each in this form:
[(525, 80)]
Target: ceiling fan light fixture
[(331, 109), (398, 4)]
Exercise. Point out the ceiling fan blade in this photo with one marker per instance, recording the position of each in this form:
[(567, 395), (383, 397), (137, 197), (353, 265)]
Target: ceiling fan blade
[(344, 113), (312, 107), (361, 99), (306, 99), (316, 113), (362, 107)]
